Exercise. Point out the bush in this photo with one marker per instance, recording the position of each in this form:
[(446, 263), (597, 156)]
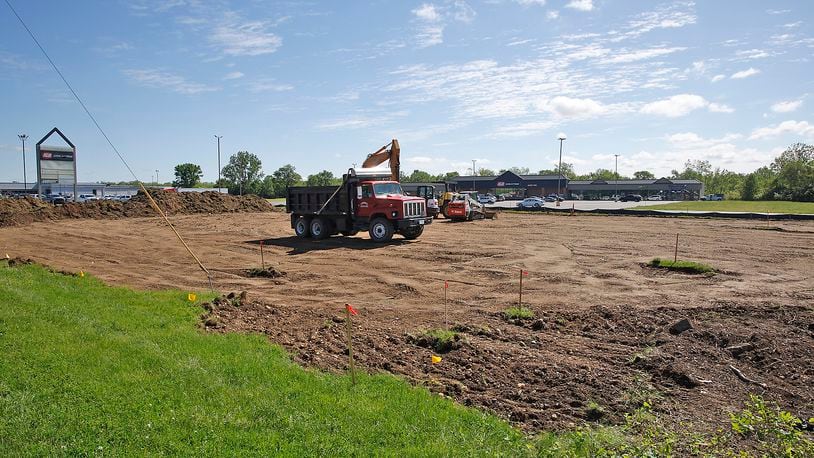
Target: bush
[(518, 313)]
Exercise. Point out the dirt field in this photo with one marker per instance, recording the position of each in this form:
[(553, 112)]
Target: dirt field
[(601, 330)]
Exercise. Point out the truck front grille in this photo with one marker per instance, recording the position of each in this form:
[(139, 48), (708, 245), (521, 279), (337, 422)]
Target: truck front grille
[(414, 209)]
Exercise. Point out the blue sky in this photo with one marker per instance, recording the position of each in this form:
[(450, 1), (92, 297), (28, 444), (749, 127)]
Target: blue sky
[(322, 84)]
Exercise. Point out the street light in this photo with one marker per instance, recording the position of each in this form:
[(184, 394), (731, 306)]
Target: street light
[(616, 173), (156, 176), (473, 174), (217, 185), (23, 138), (561, 137)]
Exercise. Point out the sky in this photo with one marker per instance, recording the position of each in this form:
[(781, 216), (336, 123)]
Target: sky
[(322, 84)]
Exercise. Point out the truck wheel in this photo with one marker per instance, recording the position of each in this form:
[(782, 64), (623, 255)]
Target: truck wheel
[(413, 232), (301, 228), (381, 230), (319, 229)]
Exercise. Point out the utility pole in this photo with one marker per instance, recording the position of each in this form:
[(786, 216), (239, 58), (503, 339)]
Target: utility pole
[(156, 176), (473, 174), (23, 138), (616, 172), (217, 185), (561, 138)]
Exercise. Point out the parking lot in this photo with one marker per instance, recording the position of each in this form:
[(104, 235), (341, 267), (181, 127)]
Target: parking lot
[(586, 204)]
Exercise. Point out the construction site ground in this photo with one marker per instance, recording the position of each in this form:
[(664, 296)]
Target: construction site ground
[(598, 347)]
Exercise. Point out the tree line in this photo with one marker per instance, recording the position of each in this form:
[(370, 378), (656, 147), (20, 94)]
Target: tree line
[(789, 177)]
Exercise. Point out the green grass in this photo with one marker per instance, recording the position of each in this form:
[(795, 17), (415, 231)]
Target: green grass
[(773, 206), (518, 313), (440, 340), (88, 369), (682, 266)]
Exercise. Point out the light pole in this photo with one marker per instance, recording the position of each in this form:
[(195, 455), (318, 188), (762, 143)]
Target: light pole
[(473, 173), (156, 176), (23, 138), (561, 137), (217, 185), (616, 174)]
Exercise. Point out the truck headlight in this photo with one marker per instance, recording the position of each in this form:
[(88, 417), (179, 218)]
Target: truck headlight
[(394, 214)]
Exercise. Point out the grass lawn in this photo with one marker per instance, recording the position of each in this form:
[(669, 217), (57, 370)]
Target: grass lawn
[(682, 266), (88, 369), (277, 201), (771, 206)]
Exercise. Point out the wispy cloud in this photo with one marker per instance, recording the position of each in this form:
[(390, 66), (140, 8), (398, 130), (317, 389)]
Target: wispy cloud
[(787, 106), (237, 37), (641, 54), (798, 128), (361, 120), (233, 75), (269, 85), (751, 71), (166, 80), (432, 19)]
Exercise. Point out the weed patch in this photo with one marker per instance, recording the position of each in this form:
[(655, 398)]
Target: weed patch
[(518, 313), (691, 267), (440, 340)]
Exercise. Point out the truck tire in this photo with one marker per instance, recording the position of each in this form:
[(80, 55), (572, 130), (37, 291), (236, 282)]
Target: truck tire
[(413, 232), (320, 229), (302, 228), (381, 230)]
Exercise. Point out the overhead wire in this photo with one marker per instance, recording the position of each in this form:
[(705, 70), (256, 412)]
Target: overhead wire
[(112, 146)]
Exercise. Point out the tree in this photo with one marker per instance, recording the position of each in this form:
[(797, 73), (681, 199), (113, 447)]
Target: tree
[(643, 175), (486, 172), (187, 175), (516, 170), (449, 176), (418, 176), (567, 171), (601, 174), (274, 185), (323, 178), (749, 191), (244, 173), (794, 174)]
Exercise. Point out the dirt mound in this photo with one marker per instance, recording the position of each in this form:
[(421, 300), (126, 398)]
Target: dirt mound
[(549, 376), (268, 272), (16, 212)]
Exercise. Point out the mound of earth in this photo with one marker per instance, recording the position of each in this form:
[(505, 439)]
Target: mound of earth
[(16, 212)]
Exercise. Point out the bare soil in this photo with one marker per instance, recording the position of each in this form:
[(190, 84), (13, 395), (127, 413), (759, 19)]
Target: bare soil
[(601, 332)]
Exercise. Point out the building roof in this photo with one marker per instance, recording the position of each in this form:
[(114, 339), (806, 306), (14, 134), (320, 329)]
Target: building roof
[(633, 182)]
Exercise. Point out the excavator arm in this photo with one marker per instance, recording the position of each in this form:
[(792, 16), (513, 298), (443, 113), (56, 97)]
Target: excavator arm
[(389, 152)]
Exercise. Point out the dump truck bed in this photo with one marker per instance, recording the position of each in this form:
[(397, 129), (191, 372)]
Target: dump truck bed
[(308, 200)]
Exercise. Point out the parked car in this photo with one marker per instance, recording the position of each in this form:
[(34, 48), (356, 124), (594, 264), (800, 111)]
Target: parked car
[(715, 197), (654, 198), (531, 202), (630, 198), (484, 199), (86, 197)]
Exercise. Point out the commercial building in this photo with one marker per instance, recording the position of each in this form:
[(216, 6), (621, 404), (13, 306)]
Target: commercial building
[(510, 183), (99, 190), (668, 189)]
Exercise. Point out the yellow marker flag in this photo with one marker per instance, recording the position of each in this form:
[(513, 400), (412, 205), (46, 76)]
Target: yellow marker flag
[(7, 256), (81, 274), (436, 359), (192, 297)]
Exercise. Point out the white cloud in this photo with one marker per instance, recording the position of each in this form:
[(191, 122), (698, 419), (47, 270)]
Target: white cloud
[(717, 78), (752, 54), (233, 75), (786, 106), (462, 12), (531, 2), (568, 107), (427, 12), (798, 128), (160, 79), (641, 54), (677, 15), (675, 106), (235, 37), (720, 108), (581, 5), (553, 14), (745, 73), (269, 85)]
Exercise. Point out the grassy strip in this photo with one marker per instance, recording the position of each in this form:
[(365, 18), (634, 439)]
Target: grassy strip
[(518, 313), (771, 206), (682, 266), (90, 369)]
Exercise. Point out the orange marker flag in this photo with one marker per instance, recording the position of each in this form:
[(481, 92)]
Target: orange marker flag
[(351, 309), (446, 284), (526, 273)]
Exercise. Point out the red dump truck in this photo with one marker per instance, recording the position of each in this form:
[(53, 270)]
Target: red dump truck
[(367, 200)]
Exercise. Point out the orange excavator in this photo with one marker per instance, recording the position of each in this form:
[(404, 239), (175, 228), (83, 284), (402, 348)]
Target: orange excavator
[(389, 152)]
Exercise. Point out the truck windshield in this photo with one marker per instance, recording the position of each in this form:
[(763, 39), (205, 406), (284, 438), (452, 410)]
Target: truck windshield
[(383, 189)]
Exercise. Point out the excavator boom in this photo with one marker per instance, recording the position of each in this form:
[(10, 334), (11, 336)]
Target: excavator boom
[(389, 152)]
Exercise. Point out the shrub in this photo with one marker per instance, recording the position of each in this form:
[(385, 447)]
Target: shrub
[(518, 313)]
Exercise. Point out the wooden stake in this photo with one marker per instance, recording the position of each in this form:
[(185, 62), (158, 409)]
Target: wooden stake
[(350, 345), (446, 323), (520, 302), (675, 257), (262, 258)]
